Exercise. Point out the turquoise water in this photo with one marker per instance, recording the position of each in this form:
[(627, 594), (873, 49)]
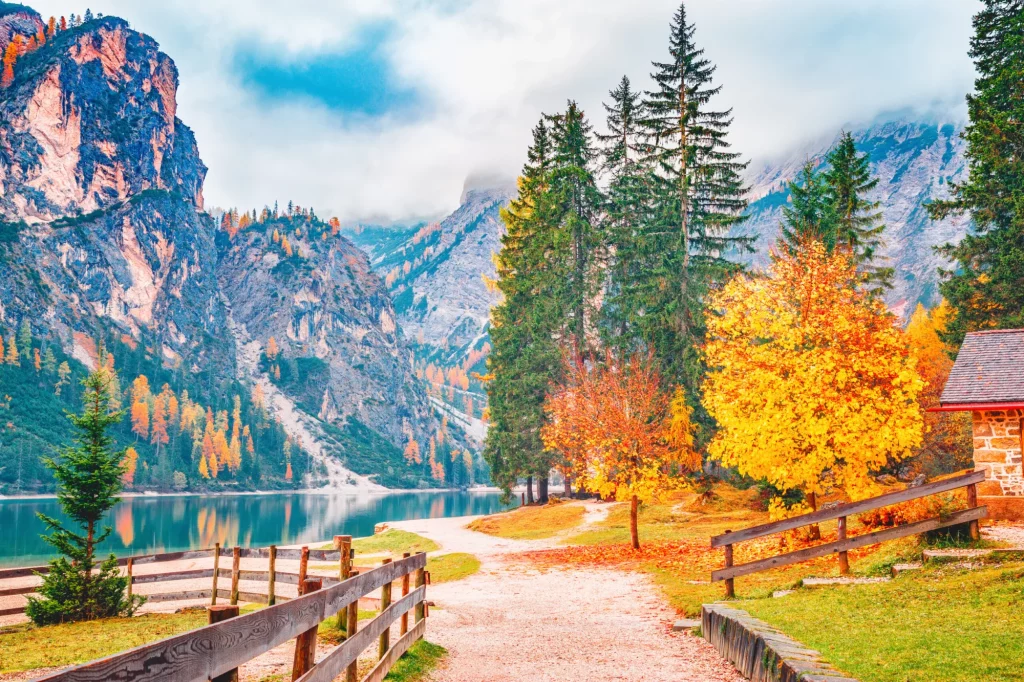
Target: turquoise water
[(146, 525)]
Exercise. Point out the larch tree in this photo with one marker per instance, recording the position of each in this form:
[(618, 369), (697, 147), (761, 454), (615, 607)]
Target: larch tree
[(811, 381), (984, 288), (613, 422)]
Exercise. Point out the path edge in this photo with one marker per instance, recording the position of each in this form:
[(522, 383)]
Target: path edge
[(760, 652)]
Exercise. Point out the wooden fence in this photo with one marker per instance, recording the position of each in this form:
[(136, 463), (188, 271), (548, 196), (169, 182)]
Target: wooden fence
[(844, 544), (234, 574), (217, 650)]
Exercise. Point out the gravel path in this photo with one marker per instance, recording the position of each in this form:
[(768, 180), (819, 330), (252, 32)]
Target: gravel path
[(504, 623)]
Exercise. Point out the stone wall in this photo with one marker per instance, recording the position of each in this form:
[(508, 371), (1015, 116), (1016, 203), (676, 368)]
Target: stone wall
[(997, 451)]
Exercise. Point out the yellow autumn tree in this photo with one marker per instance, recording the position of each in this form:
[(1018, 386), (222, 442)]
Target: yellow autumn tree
[(129, 463), (948, 439), (811, 381)]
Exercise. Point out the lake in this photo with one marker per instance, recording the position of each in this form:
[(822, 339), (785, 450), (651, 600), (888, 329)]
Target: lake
[(155, 524)]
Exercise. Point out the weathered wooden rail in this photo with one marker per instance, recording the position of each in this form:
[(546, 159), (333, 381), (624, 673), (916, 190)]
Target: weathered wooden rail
[(844, 544), (221, 647)]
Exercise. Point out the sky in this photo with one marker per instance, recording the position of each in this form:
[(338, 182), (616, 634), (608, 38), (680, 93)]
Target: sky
[(385, 110)]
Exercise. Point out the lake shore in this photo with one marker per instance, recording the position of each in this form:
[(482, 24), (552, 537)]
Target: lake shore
[(355, 492)]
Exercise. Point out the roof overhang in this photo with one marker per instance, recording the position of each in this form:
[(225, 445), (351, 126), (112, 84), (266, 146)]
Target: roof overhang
[(976, 407)]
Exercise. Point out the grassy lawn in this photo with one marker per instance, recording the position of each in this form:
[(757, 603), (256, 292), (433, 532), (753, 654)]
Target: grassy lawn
[(26, 647), (454, 566), (421, 658), (531, 523), (946, 625), (393, 542)]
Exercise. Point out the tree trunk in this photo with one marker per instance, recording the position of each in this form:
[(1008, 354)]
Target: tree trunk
[(529, 490), (812, 499), (684, 196), (568, 487), (542, 490), (634, 534)]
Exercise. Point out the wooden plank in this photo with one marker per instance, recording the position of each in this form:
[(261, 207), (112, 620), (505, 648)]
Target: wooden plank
[(848, 509), (10, 591), (852, 543), (335, 662), (171, 575), (209, 651), (285, 554), (380, 670), (26, 571)]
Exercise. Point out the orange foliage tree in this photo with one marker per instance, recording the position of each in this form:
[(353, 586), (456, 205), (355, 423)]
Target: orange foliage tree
[(614, 424), (948, 441), (812, 382), (130, 463), (140, 419)]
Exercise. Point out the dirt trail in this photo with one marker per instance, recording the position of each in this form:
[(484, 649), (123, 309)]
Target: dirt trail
[(505, 623)]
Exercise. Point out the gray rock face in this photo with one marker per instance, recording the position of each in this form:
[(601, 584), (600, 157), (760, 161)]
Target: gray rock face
[(330, 314), (436, 272), (915, 162)]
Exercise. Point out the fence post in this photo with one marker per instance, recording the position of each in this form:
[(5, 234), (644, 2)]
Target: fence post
[(730, 586), (272, 576), (130, 560), (216, 615), (305, 643), (405, 591), (972, 501), (236, 558), (844, 557), (421, 580), (216, 571), (352, 672), (343, 543), (385, 601), (303, 563)]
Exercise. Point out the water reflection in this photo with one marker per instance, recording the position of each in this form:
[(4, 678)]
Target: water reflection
[(168, 524)]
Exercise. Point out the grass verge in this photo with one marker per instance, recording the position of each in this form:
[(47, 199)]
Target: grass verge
[(393, 542), (531, 523), (421, 658), (940, 625), (449, 567)]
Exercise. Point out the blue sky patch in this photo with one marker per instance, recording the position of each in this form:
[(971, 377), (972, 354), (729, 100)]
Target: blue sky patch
[(359, 80)]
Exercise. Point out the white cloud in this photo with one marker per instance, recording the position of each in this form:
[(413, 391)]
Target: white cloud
[(791, 70)]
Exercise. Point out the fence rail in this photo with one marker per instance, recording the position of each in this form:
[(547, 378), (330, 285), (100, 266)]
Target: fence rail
[(220, 648), (270, 577), (844, 544)]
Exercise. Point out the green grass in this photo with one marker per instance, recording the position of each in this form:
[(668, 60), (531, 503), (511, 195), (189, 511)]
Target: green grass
[(940, 625), (449, 567), (393, 542), (26, 647), (421, 658), (531, 523), (330, 633)]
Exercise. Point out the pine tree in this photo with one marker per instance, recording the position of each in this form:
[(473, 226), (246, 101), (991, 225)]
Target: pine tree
[(49, 361), (25, 339), (88, 478), (859, 225), (695, 210), (810, 214), (984, 288)]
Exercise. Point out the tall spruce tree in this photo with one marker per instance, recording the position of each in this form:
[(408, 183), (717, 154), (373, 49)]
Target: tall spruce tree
[(985, 289), (811, 212), (524, 354), (697, 204), (625, 211), (858, 220), (88, 478)]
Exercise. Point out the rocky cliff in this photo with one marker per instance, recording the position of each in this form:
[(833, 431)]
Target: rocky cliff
[(915, 161), (104, 236)]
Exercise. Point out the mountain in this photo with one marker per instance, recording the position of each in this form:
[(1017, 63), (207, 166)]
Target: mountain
[(436, 274), (914, 161), (105, 243)]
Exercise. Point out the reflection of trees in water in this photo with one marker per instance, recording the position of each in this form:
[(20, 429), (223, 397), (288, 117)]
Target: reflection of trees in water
[(168, 524)]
